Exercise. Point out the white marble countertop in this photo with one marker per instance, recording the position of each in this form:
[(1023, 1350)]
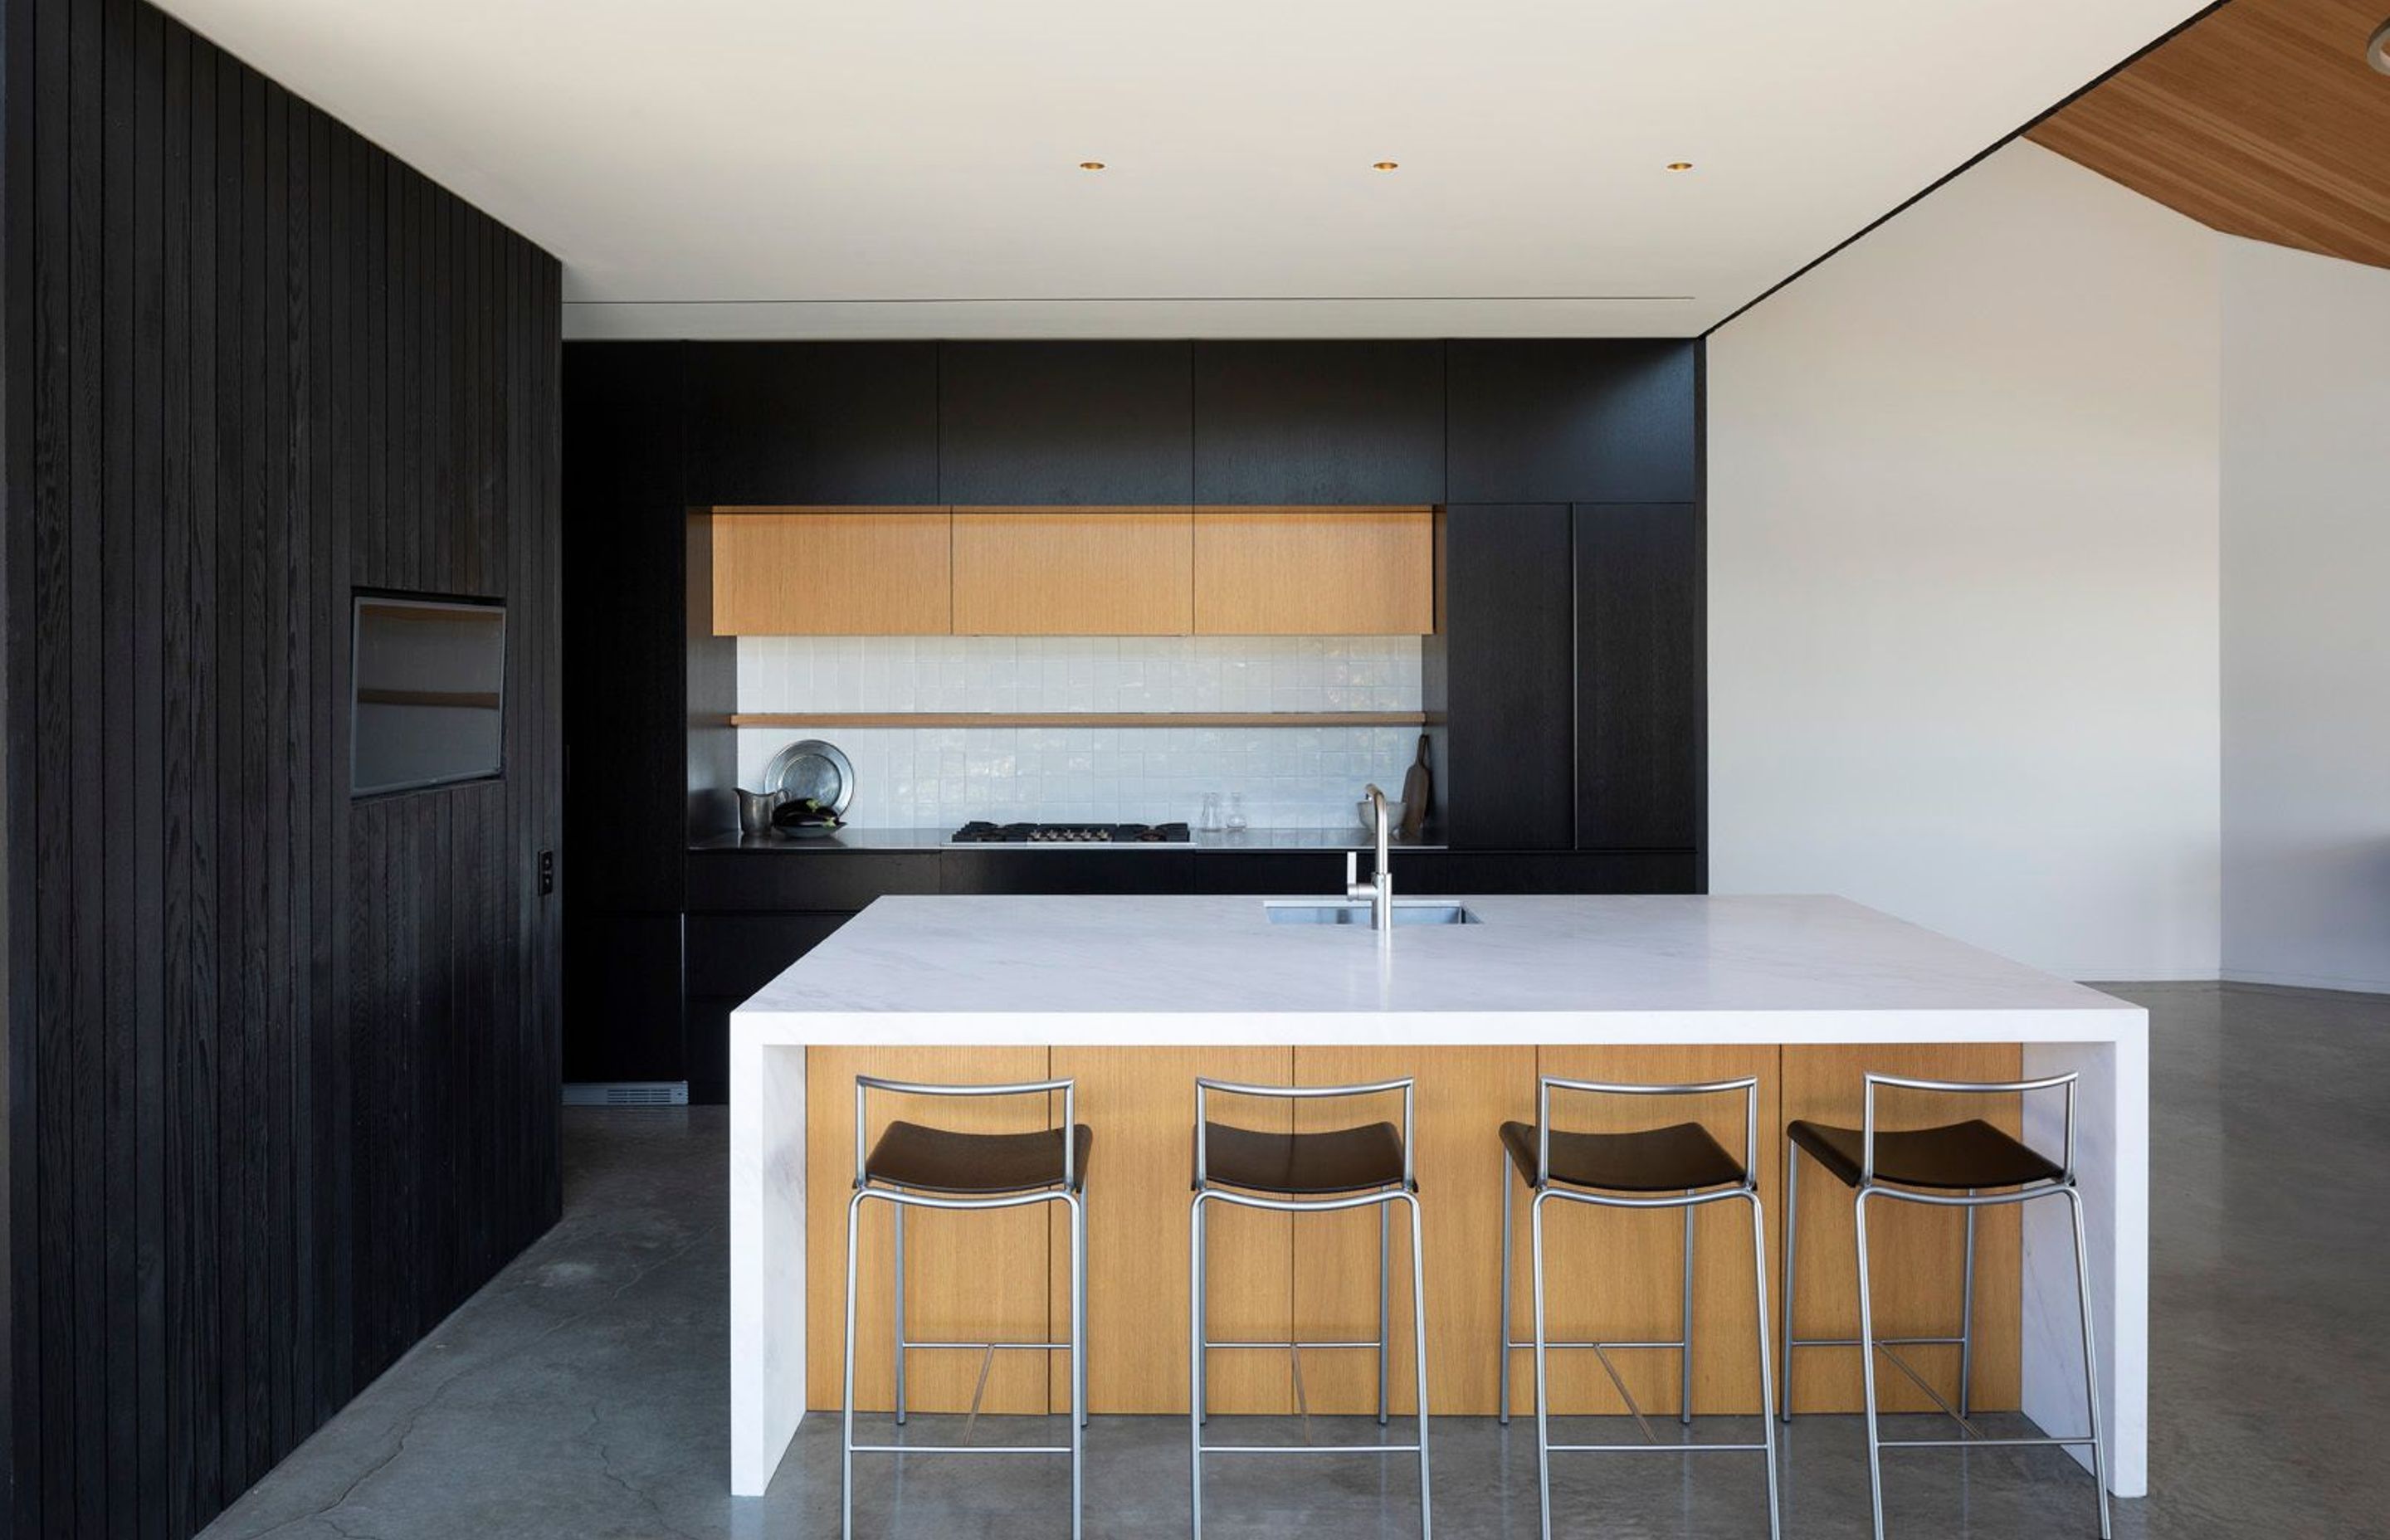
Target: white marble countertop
[(851, 837), (1538, 968)]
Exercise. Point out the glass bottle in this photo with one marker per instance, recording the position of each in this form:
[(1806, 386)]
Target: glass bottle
[(1238, 823), (1211, 820)]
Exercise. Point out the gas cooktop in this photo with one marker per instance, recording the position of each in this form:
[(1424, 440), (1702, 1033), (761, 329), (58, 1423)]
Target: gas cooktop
[(977, 832)]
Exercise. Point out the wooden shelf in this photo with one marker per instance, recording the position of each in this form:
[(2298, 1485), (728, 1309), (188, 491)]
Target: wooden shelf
[(1078, 719)]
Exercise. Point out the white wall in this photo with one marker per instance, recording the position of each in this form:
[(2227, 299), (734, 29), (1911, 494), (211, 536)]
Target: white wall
[(2307, 619), (1963, 570)]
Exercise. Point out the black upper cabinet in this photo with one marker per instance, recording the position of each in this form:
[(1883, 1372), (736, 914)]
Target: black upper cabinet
[(1559, 421), (813, 422), (1299, 423), (1507, 654), (1640, 693), (1054, 423)]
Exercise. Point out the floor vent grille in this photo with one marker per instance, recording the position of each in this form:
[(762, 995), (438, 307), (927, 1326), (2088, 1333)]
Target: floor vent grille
[(627, 1093)]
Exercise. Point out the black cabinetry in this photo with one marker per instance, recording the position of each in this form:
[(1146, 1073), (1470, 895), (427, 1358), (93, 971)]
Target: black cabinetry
[(1278, 872), (1565, 680), (1057, 423), (1065, 871), (731, 956), (1567, 421), (736, 881), (820, 423), (1568, 673), (1640, 676), (622, 989), (1495, 871), (1504, 675), (1309, 423), (625, 625)]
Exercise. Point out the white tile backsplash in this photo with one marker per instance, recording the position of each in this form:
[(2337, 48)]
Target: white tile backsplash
[(1292, 778)]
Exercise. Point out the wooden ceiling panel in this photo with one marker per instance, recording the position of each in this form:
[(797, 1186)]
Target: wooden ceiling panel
[(2263, 120)]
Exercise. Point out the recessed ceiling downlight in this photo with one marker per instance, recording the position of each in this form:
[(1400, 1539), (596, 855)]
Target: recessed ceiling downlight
[(1385, 165), (1681, 165), (1091, 165), (2377, 51)]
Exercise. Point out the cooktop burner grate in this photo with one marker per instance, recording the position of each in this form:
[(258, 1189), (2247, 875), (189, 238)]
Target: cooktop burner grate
[(980, 832)]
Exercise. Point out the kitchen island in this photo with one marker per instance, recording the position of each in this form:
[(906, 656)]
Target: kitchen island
[(1135, 996)]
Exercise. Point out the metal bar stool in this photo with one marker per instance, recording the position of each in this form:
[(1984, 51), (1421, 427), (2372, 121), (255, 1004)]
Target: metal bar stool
[(1325, 1172), (1949, 1166), (913, 1166), (1682, 1161)]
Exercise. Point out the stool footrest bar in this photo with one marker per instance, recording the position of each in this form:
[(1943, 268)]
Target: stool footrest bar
[(1984, 1443), (988, 1347), (962, 1448), (1308, 1449), (1657, 1448), (1284, 1347)]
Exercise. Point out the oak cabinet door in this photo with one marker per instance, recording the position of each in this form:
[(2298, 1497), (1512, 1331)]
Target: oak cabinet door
[(1315, 571), (833, 572), (1074, 572)]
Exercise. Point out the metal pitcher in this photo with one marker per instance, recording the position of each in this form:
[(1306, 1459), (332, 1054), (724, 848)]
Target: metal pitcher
[(755, 809)]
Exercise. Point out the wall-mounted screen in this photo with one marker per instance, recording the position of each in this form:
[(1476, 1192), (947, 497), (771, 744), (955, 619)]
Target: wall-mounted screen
[(429, 689)]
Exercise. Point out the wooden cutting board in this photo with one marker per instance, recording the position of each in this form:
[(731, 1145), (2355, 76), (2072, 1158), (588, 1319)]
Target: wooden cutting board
[(1418, 784)]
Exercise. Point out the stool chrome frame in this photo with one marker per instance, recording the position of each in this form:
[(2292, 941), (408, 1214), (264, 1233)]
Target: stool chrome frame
[(903, 1198), (1200, 1343), (1541, 1344), (1871, 1187)]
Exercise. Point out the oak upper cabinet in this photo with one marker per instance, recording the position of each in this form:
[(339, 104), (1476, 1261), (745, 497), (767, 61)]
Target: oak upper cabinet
[(1074, 572), (832, 572), (1315, 571)]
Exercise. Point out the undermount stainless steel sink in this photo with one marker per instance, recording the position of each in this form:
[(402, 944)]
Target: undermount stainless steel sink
[(1407, 911)]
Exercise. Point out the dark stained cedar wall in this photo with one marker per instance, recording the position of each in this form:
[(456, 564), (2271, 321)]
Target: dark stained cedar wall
[(282, 1067)]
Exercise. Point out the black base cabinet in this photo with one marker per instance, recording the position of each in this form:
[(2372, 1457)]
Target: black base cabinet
[(1066, 871), (1278, 873)]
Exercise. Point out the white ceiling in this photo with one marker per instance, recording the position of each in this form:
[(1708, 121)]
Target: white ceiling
[(907, 168)]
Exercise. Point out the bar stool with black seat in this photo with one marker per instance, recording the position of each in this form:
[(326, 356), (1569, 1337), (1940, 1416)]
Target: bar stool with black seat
[(913, 1166), (1967, 1165), (1679, 1166), (1323, 1172)]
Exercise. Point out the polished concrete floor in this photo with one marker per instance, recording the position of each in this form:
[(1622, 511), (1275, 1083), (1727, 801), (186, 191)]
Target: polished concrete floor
[(584, 1392)]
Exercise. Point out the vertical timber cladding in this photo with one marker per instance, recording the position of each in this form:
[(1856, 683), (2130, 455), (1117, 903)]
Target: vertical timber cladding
[(283, 1065)]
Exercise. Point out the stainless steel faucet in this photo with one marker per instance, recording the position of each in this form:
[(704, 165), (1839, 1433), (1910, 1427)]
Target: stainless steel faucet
[(1381, 891)]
